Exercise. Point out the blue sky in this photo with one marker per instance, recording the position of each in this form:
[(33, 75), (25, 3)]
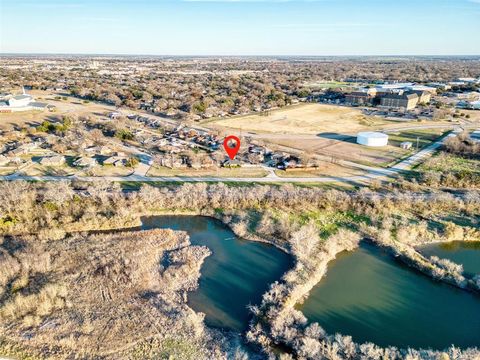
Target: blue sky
[(241, 27)]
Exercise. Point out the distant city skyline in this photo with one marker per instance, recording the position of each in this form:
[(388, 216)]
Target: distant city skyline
[(241, 27)]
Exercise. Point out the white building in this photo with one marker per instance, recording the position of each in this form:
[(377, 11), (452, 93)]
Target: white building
[(371, 138), (425, 88), (469, 80), (392, 87), (20, 100), (24, 102), (475, 105)]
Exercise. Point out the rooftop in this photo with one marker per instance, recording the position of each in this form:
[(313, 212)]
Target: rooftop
[(21, 97)]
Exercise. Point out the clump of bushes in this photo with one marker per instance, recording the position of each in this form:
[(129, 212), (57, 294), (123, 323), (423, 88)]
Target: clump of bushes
[(124, 134)]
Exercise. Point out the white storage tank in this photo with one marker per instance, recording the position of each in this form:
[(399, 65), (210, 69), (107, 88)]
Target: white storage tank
[(371, 138)]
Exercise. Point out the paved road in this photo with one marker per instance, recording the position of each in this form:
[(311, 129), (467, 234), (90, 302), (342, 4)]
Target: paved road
[(372, 173)]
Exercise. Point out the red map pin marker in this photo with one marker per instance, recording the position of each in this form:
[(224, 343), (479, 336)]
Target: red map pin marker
[(231, 151)]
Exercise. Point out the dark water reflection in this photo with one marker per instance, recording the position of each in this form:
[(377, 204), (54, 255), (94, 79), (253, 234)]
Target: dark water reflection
[(235, 275), (461, 252), (368, 295)]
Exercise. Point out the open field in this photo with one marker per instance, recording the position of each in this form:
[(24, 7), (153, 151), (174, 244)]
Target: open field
[(70, 106), (221, 172), (446, 169), (306, 119), (103, 296), (346, 148), (314, 119), (425, 137), (442, 161)]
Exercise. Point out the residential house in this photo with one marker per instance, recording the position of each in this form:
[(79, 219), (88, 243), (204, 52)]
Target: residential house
[(85, 162), (114, 115), (102, 150), (171, 162), (115, 161), (56, 160)]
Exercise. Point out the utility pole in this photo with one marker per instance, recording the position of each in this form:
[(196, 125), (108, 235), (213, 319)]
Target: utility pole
[(418, 138)]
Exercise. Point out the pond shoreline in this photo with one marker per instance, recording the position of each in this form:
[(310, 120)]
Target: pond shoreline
[(284, 305), (367, 290), (291, 302), (302, 290)]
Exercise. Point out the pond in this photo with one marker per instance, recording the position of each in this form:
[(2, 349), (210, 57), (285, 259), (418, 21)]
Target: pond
[(462, 252), (236, 274), (373, 298)]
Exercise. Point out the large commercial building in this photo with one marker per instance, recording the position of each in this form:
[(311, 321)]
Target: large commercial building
[(363, 97), (398, 96), (405, 101), (15, 103)]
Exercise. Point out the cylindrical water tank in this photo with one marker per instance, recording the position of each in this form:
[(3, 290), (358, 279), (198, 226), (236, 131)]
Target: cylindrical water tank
[(371, 138)]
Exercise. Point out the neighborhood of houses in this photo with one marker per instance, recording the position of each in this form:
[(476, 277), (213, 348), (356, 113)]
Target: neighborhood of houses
[(179, 148), (162, 142), (24, 153)]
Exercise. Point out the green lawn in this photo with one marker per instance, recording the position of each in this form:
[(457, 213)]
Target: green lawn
[(425, 137), (443, 161), (329, 221)]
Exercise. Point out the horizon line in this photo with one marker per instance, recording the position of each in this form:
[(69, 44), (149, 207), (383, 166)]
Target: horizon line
[(237, 55)]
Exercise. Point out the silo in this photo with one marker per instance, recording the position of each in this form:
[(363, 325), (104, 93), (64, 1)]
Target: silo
[(371, 138)]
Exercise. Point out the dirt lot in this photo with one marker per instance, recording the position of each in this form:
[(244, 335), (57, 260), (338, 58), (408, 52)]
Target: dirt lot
[(321, 128), (306, 119), (348, 149)]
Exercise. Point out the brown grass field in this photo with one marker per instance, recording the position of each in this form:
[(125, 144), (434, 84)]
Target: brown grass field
[(71, 106), (99, 296), (348, 149), (306, 119), (335, 127)]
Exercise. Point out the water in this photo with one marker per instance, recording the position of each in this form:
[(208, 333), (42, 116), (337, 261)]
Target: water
[(236, 274), (366, 293), (461, 252), (370, 296)]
